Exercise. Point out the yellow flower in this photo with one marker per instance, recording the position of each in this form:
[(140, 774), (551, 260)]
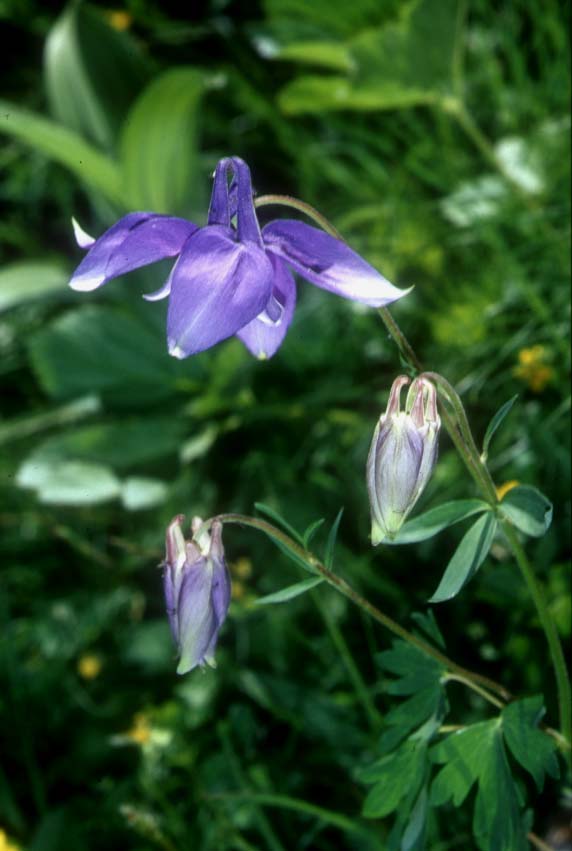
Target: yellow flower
[(5, 844), (88, 667), (140, 731), (242, 568), (533, 369), (503, 489), (119, 19), (237, 590)]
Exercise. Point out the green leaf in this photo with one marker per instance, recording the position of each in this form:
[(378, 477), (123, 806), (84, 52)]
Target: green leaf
[(327, 54), (528, 509), (63, 146), (24, 281), (290, 592), (393, 775), (131, 365), (394, 66), (531, 747), (277, 518), (69, 483), (138, 494), (159, 144), (331, 542), (467, 558), (432, 522), (495, 423), (311, 531), (477, 755), (92, 73)]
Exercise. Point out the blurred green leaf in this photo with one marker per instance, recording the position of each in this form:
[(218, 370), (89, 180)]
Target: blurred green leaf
[(436, 519), (290, 592), (26, 280), (277, 517), (534, 749), (528, 509), (467, 558), (331, 542), (327, 54), (65, 147), (92, 73), (394, 776), (68, 482), (102, 350), (310, 531), (395, 66), (138, 493), (477, 755), (495, 423), (159, 144)]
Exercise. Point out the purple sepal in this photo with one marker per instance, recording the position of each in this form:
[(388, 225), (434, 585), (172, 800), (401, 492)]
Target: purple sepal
[(135, 240), (328, 263), (264, 335), (218, 285)]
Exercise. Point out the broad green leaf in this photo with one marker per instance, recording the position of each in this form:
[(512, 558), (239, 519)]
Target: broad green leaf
[(277, 518), (92, 72), (531, 747), (495, 423), (467, 558), (477, 755), (102, 350), (393, 775), (69, 483), (327, 54), (528, 509), (159, 144), (289, 593), (398, 65), (436, 519), (331, 542), (138, 494), (63, 146), (26, 280)]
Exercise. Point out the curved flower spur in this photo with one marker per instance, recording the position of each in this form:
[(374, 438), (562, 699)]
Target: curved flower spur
[(230, 277)]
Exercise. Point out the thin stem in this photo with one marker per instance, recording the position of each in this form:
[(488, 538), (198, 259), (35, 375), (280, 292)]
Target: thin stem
[(538, 842), (558, 661), (354, 673), (316, 566), (459, 679), (302, 207), (400, 339)]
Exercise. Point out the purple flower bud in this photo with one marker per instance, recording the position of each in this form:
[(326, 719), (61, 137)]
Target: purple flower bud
[(197, 591), (402, 456)]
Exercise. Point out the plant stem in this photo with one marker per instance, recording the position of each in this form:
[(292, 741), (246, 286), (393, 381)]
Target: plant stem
[(354, 673), (459, 679), (316, 566), (399, 337), (537, 593)]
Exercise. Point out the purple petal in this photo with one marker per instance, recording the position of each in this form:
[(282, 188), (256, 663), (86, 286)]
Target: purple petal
[(196, 621), (135, 240), (328, 263), (218, 286), (261, 337)]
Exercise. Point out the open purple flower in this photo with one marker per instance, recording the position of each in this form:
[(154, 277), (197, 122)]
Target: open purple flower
[(197, 592), (230, 278)]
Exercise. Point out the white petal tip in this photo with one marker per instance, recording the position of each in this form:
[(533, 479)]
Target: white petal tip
[(87, 283), (83, 239), (176, 352)]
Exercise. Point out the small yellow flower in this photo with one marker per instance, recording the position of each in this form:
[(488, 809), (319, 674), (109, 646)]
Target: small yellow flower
[(237, 590), (503, 489), (6, 844), (242, 568), (533, 369), (140, 731), (119, 19), (88, 667)]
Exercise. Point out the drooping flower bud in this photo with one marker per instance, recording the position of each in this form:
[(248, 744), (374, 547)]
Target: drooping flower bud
[(197, 591), (402, 455)]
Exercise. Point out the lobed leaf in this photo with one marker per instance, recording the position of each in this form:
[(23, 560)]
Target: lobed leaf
[(531, 747), (528, 509)]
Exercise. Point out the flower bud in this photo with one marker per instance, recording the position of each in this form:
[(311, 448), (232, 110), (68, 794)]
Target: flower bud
[(402, 456), (197, 591)]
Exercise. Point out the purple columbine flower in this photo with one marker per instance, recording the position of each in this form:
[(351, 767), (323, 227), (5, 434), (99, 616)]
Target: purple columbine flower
[(402, 456), (230, 278), (197, 591)]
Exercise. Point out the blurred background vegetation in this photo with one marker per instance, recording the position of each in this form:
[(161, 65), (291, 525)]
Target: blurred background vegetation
[(435, 136)]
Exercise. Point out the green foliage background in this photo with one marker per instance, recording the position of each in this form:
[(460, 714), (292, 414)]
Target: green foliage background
[(368, 111)]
